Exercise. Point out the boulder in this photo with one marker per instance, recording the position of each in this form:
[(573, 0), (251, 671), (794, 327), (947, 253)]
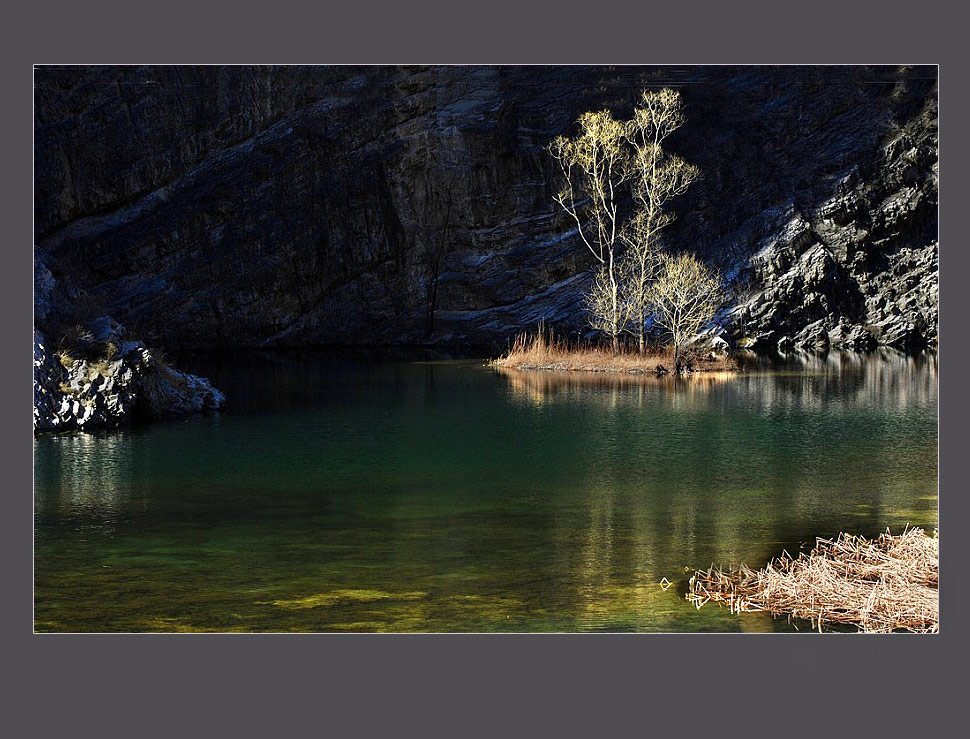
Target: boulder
[(812, 337), (83, 393)]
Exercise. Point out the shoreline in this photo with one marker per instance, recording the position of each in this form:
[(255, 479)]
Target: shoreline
[(552, 358), (660, 371), (544, 352)]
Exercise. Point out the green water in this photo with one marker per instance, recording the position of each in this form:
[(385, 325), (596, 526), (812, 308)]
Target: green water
[(342, 493)]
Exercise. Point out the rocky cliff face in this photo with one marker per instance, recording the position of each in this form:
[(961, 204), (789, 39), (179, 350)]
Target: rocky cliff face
[(224, 207), (857, 268)]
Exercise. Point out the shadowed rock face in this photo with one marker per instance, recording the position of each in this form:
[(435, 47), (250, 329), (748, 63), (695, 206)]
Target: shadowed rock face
[(224, 207)]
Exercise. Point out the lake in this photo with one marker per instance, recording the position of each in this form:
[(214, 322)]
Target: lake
[(350, 492)]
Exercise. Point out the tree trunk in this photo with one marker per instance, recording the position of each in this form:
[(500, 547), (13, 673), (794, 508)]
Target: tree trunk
[(615, 308), (641, 342)]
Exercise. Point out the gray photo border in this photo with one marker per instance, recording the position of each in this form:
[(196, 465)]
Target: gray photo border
[(458, 685)]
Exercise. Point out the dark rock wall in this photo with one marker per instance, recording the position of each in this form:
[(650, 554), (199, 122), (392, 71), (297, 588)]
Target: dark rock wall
[(217, 207)]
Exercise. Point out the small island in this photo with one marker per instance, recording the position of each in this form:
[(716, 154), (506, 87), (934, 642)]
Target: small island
[(544, 351), (617, 181)]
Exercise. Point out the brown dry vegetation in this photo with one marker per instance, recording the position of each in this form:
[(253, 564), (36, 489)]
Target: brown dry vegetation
[(542, 352), (880, 585)]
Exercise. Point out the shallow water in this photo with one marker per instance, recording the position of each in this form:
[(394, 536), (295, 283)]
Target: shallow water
[(347, 493)]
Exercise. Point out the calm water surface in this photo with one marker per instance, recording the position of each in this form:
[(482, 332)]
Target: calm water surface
[(358, 494)]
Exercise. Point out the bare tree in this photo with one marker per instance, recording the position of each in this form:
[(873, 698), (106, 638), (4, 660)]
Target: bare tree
[(608, 305), (595, 165), (658, 176), (684, 299), (643, 262)]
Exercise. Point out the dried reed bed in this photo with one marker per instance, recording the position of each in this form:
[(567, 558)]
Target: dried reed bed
[(547, 352), (879, 585)]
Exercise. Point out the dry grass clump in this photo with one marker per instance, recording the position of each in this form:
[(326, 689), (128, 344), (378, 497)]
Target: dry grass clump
[(880, 585), (547, 352)]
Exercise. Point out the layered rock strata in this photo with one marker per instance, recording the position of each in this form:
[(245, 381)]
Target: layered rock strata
[(210, 207)]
